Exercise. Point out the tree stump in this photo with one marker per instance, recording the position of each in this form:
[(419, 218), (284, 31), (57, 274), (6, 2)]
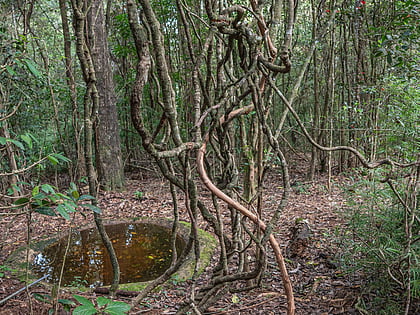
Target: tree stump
[(300, 239)]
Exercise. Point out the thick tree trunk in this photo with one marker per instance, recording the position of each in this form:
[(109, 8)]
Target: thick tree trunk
[(85, 37), (108, 148)]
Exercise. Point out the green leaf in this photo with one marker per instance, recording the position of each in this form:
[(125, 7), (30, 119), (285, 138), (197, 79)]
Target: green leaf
[(21, 201), (61, 209), (66, 302), (47, 189), (63, 196), (3, 140), (16, 143), (60, 157), (117, 308), (102, 301), (33, 139), (82, 300), (86, 197), (53, 198), (42, 297), (92, 207), (32, 68), (27, 139), (46, 211), (10, 71), (75, 194), (70, 206), (39, 196), (35, 191), (52, 159), (73, 186), (84, 310)]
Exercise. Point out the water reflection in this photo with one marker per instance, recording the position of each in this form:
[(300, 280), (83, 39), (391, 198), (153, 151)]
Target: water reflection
[(143, 251)]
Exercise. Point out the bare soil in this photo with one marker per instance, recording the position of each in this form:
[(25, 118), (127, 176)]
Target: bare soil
[(320, 287)]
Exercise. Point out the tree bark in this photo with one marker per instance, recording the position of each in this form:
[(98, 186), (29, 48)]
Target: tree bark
[(78, 169), (81, 11), (107, 145), (13, 179)]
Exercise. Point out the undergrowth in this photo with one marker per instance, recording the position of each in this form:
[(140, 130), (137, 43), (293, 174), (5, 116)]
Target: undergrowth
[(380, 244)]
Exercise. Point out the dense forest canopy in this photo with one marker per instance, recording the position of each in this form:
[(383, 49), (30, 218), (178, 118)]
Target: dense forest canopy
[(217, 94)]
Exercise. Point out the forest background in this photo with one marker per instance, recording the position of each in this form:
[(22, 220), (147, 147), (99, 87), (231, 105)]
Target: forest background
[(221, 93)]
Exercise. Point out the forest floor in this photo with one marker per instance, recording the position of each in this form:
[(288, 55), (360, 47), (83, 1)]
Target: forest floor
[(320, 286)]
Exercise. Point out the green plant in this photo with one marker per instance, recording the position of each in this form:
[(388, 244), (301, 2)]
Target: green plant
[(44, 199), (300, 187), (399, 108), (103, 306), (138, 195), (46, 298), (4, 269), (378, 245), (78, 282)]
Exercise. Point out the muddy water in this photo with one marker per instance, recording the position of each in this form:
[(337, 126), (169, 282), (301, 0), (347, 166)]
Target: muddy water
[(143, 251)]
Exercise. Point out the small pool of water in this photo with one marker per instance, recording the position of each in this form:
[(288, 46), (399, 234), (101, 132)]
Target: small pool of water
[(143, 251)]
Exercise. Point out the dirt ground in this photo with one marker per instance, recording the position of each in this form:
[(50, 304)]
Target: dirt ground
[(319, 285)]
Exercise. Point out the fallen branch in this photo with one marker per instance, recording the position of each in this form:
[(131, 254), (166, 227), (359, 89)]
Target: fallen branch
[(21, 290), (103, 290), (244, 308)]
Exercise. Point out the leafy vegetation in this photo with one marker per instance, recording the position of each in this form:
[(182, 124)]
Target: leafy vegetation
[(103, 306), (46, 298), (45, 200), (380, 243)]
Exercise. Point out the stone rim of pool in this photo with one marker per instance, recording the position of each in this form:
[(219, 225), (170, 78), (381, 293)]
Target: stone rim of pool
[(207, 242)]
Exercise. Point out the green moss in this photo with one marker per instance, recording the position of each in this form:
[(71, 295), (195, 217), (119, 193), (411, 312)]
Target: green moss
[(208, 245), (139, 286)]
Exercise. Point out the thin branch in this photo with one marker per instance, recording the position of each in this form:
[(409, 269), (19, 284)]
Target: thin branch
[(21, 290), (362, 159), (11, 113), (22, 170), (403, 203)]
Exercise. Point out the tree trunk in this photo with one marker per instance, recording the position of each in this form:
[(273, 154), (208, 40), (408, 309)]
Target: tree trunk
[(107, 146), (13, 179), (316, 107), (82, 14), (78, 169)]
